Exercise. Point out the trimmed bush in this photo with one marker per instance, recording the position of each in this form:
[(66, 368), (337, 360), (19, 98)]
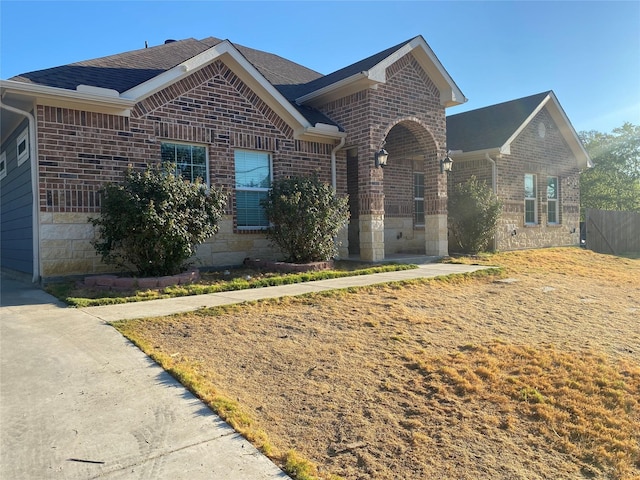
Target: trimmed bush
[(152, 222), (306, 215), (474, 211)]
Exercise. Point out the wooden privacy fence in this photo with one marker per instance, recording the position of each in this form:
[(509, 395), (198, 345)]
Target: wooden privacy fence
[(613, 232)]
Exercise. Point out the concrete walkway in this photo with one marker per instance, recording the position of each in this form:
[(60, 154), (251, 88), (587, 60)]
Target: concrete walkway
[(78, 401)]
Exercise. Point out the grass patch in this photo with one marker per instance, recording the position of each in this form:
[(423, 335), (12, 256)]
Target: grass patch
[(584, 405), (452, 377), (77, 295)]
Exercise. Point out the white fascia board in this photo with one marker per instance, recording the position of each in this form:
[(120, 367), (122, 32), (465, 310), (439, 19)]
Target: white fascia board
[(564, 125), (568, 132), (477, 154), (221, 50), (356, 82), (80, 99), (450, 94), (506, 148), (320, 133)]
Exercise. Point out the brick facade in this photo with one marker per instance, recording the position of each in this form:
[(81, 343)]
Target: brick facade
[(406, 116), (225, 99), (79, 151), (544, 152)]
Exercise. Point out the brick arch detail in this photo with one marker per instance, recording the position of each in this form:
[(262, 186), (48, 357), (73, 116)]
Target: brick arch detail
[(418, 128)]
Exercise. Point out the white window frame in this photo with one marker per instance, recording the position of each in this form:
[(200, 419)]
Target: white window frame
[(417, 199), (3, 165), (529, 199), (175, 160), (251, 189), (553, 202), (23, 138)]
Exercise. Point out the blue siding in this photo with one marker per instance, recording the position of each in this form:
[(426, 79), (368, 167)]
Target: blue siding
[(16, 228)]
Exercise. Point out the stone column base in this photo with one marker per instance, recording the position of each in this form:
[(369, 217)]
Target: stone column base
[(436, 235), (372, 237)]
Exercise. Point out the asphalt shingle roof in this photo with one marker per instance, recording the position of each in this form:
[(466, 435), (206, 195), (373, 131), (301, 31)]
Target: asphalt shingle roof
[(294, 91), (124, 71), (489, 127)]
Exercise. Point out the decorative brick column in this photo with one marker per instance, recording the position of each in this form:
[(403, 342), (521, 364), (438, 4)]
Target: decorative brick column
[(436, 231)]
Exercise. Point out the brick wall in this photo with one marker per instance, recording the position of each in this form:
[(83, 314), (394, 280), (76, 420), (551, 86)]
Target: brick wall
[(407, 114), (408, 98), (543, 155), (79, 151)]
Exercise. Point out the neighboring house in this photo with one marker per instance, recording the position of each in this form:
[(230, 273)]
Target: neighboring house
[(528, 152), (238, 117)]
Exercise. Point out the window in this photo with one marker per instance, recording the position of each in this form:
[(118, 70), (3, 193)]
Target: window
[(191, 160), (530, 200), (418, 199), (3, 165), (23, 146), (552, 200), (253, 180)]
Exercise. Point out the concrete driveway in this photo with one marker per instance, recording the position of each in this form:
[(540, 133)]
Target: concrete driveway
[(78, 401)]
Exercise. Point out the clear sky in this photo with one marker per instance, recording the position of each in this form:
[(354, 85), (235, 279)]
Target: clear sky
[(587, 52)]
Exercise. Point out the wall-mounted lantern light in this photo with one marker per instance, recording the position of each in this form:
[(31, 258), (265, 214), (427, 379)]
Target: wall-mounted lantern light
[(381, 158), (445, 164)]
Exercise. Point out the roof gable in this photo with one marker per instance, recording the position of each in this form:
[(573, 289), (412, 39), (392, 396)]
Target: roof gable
[(372, 71), (121, 71), (135, 75), (495, 127)]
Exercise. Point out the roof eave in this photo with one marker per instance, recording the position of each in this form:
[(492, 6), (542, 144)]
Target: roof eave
[(91, 98), (232, 57), (319, 130), (342, 88), (450, 94), (566, 129)]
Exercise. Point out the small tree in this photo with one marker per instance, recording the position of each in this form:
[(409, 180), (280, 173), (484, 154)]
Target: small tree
[(473, 215), (306, 216), (154, 220)]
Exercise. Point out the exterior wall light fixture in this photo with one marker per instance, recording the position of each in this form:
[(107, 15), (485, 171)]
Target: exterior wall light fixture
[(445, 164), (381, 158)]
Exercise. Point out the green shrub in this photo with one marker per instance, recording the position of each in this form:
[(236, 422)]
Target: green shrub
[(306, 215), (473, 215), (154, 220)]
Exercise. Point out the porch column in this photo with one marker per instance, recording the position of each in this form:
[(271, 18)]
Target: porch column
[(371, 226), (435, 205)]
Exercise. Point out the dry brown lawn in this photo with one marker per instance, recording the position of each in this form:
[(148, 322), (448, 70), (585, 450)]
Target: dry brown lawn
[(534, 374)]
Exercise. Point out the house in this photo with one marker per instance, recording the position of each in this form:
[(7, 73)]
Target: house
[(238, 117), (527, 151)]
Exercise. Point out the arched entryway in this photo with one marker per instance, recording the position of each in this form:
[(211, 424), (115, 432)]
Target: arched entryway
[(401, 207)]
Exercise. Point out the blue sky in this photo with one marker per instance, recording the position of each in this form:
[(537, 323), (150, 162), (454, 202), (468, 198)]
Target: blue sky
[(587, 52)]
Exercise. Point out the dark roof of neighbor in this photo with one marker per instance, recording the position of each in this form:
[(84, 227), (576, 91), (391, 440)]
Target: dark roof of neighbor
[(492, 126)]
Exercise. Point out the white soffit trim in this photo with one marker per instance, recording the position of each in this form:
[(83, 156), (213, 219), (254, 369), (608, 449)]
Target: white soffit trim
[(450, 94), (568, 132), (87, 99), (506, 148), (242, 67), (341, 88), (564, 125)]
